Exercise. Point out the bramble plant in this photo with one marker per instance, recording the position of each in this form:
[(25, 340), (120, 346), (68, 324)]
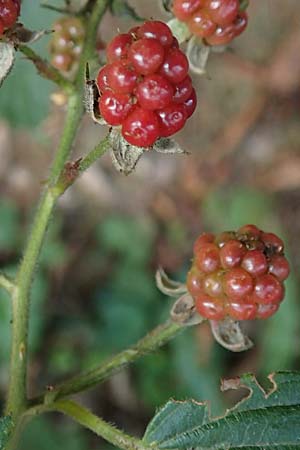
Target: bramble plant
[(143, 94)]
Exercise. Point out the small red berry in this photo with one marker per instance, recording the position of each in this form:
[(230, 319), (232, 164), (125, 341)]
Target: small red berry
[(231, 254), (183, 90), (243, 309), (266, 311), (114, 107), (171, 119), (183, 9), (211, 308), (268, 289), (279, 267), (272, 242), (212, 284), (204, 238), (222, 12), (156, 30), (154, 92), (9, 12), (237, 283), (146, 55), (118, 48), (141, 128), (195, 282), (250, 231), (207, 258), (201, 24), (191, 103), (175, 66), (255, 263), (102, 78), (121, 78)]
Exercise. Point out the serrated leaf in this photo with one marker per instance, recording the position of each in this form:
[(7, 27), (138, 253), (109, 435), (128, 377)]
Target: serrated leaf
[(6, 426), (7, 57), (121, 8), (197, 53), (262, 420)]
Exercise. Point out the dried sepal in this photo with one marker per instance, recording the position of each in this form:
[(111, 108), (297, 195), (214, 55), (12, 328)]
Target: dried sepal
[(184, 311), (179, 29), (21, 35), (91, 98), (168, 286), (166, 145), (7, 58), (167, 5), (228, 333), (197, 53), (124, 155)]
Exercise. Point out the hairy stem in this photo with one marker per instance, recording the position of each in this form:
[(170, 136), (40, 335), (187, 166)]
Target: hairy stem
[(151, 342), (16, 401), (90, 421), (94, 155), (7, 283)]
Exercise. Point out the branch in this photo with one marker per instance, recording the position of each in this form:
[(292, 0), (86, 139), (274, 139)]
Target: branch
[(6, 283), (86, 380), (45, 69), (90, 421)]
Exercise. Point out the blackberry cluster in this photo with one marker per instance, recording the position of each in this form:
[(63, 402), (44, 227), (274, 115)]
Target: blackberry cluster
[(9, 12), (216, 21), (238, 274), (145, 87), (66, 43)]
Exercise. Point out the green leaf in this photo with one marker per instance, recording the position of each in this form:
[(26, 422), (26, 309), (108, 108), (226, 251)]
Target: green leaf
[(122, 9), (262, 420), (6, 426)]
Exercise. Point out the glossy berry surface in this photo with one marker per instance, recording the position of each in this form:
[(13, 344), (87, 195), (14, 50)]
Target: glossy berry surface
[(238, 274), (9, 13), (66, 43), (147, 65), (218, 22)]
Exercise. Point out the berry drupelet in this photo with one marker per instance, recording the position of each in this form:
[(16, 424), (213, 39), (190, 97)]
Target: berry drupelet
[(145, 87), (218, 22), (66, 43), (9, 13), (238, 274)]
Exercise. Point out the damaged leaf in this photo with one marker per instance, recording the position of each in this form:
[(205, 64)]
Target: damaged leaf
[(228, 333), (124, 156), (7, 57), (261, 421), (197, 53)]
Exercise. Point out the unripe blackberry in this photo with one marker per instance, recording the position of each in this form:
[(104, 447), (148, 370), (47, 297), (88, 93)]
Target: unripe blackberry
[(216, 21), (238, 274), (147, 66)]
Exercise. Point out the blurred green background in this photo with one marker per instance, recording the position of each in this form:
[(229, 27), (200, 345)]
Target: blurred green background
[(94, 292)]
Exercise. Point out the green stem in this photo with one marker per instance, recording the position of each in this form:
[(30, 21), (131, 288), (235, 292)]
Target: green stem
[(90, 421), (16, 401), (45, 69), (151, 342), (6, 283), (94, 155)]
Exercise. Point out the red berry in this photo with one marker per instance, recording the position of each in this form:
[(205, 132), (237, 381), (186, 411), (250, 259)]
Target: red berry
[(272, 242), (212, 284), (222, 12), (279, 267), (266, 311), (250, 231), (141, 128), (183, 90), (194, 282), (224, 237), (9, 12), (114, 107), (209, 307), (183, 9), (118, 48), (175, 66), (231, 254), (203, 239), (191, 104), (171, 119), (240, 23), (237, 283), (201, 24), (146, 55), (243, 309), (156, 30), (175, 43), (102, 78), (154, 92), (207, 258), (255, 263), (268, 289), (121, 78)]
